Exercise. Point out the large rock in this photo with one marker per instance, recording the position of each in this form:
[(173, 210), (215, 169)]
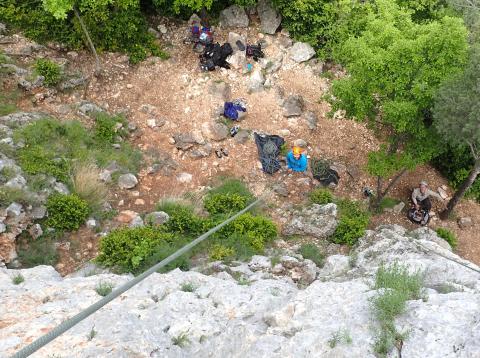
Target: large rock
[(184, 141), (234, 16), (8, 252), (21, 118), (215, 131), (319, 221), (127, 181), (293, 106), (301, 52), (268, 317), (270, 19), (311, 119), (157, 218), (256, 81)]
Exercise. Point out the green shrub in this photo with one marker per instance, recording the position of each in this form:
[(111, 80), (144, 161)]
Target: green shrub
[(188, 287), (104, 288), (17, 279), (388, 203), (311, 252), (51, 147), (322, 23), (66, 212), (183, 220), (224, 203), (448, 236), (180, 340), (353, 222), (321, 196), (50, 70), (396, 286), (127, 248), (107, 128), (112, 28), (221, 252), (257, 230), (10, 195), (41, 251), (340, 336), (232, 186)]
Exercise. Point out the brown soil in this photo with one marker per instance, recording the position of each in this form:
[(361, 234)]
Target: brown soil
[(179, 93)]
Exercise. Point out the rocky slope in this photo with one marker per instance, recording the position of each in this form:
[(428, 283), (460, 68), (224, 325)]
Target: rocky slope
[(254, 309)]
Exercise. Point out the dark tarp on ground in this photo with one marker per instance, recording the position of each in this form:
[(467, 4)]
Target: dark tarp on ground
[(268, 150)]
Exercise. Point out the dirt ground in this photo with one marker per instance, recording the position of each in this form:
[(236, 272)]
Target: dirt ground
[(176, 91)]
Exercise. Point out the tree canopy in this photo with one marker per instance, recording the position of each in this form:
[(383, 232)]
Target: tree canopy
[(394, 69)]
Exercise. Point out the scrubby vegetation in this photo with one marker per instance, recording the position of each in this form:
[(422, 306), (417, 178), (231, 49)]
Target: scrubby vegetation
[(312, 252), (134, 249), (353, 221), (104, 288), (321, 196), (395, 285), (49, 70), (37, 252), (66, 212), (448, 236)]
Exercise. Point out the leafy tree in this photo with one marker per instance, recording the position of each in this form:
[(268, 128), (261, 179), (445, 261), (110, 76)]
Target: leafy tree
[(470, 9), (457, 119), (395, 68)]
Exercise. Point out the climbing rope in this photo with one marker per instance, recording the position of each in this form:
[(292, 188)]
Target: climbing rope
[(66, 325)]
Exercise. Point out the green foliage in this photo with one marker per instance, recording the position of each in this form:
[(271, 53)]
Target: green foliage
[(91, 335), (323, 24), (224, 203), (183, 220), (66, 212), (339, 337), (180, 340), (113, 25), (448, 236), (52, 146), (48, 69), (388, 203), (17, 279), (7, 98), (396, 286), (104, 288), (257, 230), (10, 195), (220, 252), (232, 186), (127, 248), (321, 196), (188, 287), (40, 251), (395, 68), (107, 128), (311, 252), (456, 117), (353, 221)]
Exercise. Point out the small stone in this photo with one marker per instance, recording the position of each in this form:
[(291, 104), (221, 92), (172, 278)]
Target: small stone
[(281, 189), (91, 223), (136, 222), (126, 216), (127, 181), (3, 228), (242, 136), (129, 86), (465, 222), (184, 177), (121, 202), (311, 119), (14, 209), (397, 209), (139, 202), (61, 188), (162, 28), (284, 132), (293, 106), (152, 123), (443, 193), (35, 231), (157, 218), (301, 51)]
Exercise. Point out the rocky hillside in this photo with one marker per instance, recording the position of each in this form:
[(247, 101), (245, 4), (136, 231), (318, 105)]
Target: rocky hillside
[(269, 307)]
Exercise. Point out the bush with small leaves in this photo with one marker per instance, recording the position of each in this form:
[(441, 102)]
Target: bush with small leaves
[(49, 70), (188, 287), (448, 236), (224, 203), (353, 222), (66, 212), (220, 252), (128, 248), (321, 196), (180, 340)]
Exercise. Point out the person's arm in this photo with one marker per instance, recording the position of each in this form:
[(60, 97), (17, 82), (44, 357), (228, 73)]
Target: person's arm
[(303, 163), (435, 194), (414, 197), (289, 160)]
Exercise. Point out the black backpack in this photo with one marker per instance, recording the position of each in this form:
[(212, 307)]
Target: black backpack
[(255, 51)]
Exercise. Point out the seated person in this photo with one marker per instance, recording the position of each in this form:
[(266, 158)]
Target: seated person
[(296, 160), (421, 197)]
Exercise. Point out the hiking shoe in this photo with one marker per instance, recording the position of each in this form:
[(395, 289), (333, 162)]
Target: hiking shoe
[(218, 153), (224, 151)]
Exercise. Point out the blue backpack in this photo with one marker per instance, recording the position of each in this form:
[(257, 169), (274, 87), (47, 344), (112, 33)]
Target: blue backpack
[(231, 109)]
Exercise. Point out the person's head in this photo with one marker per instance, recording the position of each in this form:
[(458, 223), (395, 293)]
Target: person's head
[(423, 186), (297, 152)]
